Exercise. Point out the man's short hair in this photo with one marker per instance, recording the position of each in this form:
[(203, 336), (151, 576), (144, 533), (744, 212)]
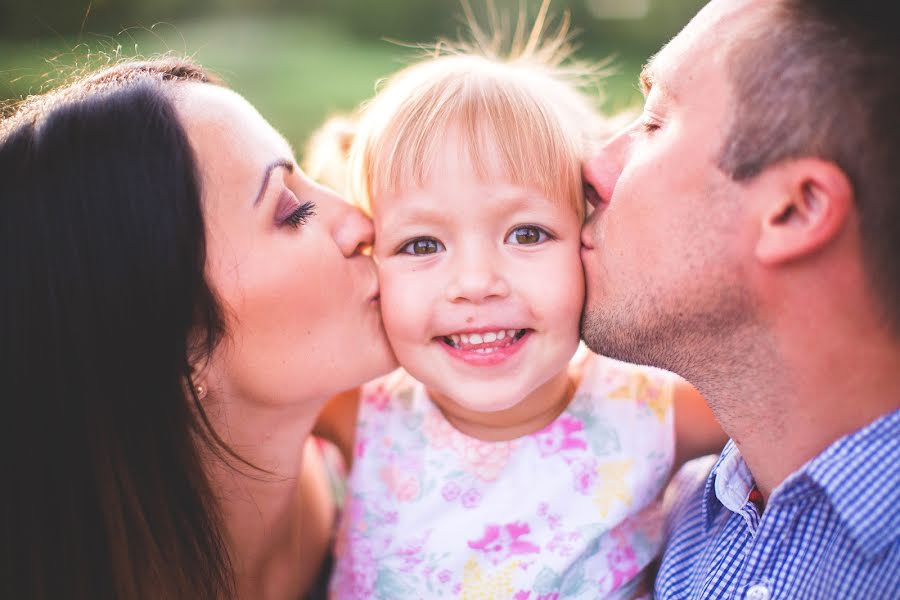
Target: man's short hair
[(819, 78)]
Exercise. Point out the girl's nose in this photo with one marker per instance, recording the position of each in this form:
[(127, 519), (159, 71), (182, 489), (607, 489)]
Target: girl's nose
[(476, 280)]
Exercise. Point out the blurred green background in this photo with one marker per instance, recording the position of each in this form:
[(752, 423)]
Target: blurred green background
[(302, 60)]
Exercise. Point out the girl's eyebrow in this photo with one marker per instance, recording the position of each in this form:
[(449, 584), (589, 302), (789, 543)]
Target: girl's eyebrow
[(418, 215), (281, 162)]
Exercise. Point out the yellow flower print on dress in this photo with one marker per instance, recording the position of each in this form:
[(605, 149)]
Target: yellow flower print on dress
[(648, 392), (612, 486), (477, 585)]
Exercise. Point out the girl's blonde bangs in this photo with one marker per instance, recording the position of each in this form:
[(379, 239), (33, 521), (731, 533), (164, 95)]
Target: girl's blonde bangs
[(519, 119)]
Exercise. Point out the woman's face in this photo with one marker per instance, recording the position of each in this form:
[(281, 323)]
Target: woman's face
[(300, 301)]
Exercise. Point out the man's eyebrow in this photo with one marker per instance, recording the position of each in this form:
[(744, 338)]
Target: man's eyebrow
[(650, 80), (281, 162), (646, 78)]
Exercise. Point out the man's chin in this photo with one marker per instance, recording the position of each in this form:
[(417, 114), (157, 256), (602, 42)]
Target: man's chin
[(612, 336)]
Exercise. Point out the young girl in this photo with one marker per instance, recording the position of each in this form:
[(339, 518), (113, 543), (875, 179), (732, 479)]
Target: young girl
[(495, 465)]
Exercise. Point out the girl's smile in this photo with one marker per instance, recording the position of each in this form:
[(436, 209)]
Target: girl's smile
[(485, 347)]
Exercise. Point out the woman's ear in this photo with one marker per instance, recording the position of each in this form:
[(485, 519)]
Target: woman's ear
[(809, 206), (197, 380)]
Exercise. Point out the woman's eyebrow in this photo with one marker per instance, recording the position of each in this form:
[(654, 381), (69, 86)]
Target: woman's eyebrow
[(281, 162)]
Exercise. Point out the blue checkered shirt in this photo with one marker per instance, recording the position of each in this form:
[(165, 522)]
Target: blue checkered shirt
[(829, 531)]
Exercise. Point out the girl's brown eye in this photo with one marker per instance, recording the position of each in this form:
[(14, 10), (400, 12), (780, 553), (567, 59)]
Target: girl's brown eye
[(527, 235), (422, 247)]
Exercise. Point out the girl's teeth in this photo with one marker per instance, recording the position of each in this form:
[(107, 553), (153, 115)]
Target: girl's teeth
[(474, 339)]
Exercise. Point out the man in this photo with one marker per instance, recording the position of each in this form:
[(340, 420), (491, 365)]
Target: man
[(747, 237)]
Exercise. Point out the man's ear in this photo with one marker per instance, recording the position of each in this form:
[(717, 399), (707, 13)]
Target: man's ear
[(810, 202)]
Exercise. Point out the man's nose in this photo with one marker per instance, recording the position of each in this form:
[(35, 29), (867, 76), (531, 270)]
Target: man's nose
[(602, 170)]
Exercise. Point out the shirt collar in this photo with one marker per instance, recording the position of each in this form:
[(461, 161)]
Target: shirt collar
[(860, 475), (711, 503)]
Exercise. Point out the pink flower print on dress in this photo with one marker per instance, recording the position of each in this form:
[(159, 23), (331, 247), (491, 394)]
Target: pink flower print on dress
[(411, 554), (499, 542), (584, 473), (560, 435), (356, 576), (623, 565), (378, 398), (403, 486), (360, 448), (451, 491), (471, 498), (485, 460)]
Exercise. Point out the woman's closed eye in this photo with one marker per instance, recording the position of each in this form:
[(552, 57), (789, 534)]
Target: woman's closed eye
[(291, 212), (422, 246), (527, 235)]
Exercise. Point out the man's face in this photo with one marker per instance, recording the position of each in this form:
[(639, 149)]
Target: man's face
[(664, 252)]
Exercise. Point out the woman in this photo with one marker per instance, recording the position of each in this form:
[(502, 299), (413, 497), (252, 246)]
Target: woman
[(180, 301)]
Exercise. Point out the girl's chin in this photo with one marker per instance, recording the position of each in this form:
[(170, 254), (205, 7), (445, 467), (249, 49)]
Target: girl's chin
[(496, 403)]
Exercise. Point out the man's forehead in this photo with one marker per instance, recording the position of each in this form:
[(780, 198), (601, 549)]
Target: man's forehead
[(704, 41)]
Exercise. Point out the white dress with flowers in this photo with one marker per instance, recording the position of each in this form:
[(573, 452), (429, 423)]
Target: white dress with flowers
[(571, 511)]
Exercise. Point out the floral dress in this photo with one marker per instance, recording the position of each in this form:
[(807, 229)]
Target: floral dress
[(571, 511)]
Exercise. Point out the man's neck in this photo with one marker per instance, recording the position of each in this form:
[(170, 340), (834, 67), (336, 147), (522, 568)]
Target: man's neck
[(808, 396)]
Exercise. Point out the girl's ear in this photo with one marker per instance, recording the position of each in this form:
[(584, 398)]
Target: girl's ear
[(808, 209)]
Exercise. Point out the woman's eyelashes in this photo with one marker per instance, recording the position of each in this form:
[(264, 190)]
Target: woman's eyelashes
[(291, 212)]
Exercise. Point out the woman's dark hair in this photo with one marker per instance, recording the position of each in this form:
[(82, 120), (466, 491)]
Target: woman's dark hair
[(104, 310)]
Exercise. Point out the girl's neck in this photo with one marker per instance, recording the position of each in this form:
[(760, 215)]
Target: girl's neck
[(533, 413)]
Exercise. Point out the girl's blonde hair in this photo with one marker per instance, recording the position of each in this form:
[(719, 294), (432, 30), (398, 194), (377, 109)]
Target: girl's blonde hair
[(523, 100), (327, 152)]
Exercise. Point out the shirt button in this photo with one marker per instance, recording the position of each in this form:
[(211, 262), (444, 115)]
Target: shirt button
[(759, 591)]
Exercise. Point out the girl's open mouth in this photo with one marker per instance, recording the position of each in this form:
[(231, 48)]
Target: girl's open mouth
[(485, 341), (484, 347)]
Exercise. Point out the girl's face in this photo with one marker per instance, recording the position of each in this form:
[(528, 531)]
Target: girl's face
[(481, 283), (300, 301)]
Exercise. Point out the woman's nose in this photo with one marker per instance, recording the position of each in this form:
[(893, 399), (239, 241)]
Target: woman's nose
[(354, 232)]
